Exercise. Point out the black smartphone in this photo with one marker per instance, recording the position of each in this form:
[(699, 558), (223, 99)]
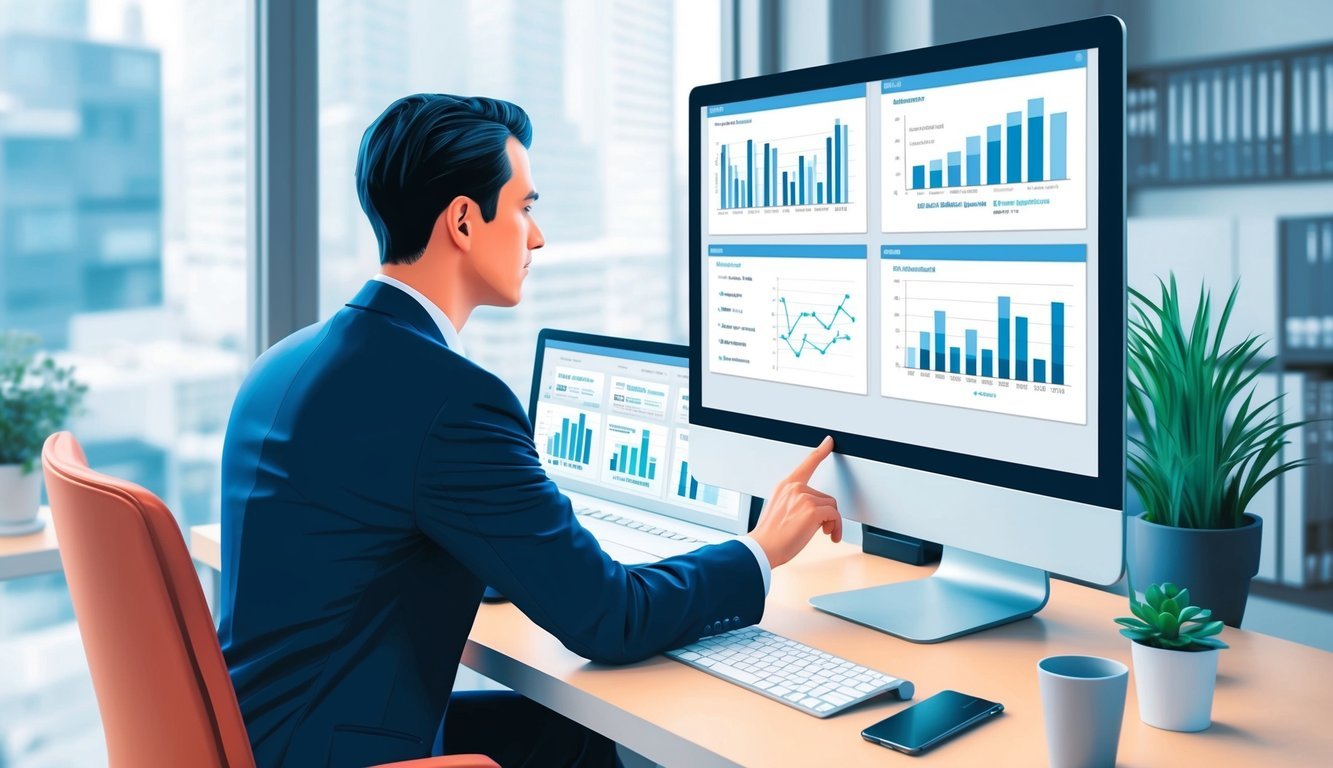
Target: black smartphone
[(929, 722)]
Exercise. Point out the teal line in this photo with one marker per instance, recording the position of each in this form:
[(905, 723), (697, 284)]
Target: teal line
[(827, 326)]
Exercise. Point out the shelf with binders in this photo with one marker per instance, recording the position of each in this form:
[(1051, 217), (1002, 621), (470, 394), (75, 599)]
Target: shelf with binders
[(1232, 120)]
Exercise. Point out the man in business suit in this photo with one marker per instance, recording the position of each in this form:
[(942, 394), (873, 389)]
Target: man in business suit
[(375, 480)]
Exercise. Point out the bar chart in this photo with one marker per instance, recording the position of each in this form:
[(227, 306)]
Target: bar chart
[(791, 314), (994, 148), (567, 438), (789, 165), (635, 455), (990, 327), (686, 488)]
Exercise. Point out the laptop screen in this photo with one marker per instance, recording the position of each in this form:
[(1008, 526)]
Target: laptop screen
[(613, 422)]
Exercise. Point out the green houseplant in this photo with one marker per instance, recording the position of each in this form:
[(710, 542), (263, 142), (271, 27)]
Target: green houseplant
[(37, 395), (1175, 649), (1207, 446)]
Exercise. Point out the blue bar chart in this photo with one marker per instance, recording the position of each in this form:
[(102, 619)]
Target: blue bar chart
[(568, 438), (799, 158), (686, 488), (1017, 148), (989, 327), (635, 455)]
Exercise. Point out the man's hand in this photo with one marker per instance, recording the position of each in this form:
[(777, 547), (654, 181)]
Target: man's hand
[(795, 511)]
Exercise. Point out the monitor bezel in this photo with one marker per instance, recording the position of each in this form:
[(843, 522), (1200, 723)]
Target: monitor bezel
[(1107, 35), (661, 348)]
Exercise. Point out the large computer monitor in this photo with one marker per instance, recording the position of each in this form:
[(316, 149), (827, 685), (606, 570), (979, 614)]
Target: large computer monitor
[(923, 255)]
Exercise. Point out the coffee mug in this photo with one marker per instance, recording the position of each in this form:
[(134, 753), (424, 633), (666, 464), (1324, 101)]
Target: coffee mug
[(1083, 698)]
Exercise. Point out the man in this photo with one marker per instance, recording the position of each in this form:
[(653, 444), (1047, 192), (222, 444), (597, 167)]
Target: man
[(375, 481)]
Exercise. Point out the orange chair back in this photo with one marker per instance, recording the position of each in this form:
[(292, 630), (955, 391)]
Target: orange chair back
[(161, 682)]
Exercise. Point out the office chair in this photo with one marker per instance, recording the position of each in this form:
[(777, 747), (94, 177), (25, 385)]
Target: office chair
[(162, 686)]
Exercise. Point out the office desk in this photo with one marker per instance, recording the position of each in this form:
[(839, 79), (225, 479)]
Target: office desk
[(1271, 708), (31, 554)]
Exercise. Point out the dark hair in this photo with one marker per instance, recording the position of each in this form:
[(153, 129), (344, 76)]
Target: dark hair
[(425, 150)]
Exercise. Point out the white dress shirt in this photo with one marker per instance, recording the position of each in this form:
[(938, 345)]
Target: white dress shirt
[(456, 344)]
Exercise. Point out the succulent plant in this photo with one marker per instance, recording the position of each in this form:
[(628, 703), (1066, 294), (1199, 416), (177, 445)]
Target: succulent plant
[(1167, 620)]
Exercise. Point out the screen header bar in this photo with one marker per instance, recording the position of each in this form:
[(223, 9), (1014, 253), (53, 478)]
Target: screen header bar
[(624, 354), (841, 93), (1046, 252), (1018, 67), (791, 251)]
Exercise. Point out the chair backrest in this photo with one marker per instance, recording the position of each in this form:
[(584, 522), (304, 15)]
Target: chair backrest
[(161, 682)]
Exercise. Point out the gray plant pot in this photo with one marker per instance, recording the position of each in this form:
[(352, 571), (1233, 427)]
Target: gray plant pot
[(1215, 565)]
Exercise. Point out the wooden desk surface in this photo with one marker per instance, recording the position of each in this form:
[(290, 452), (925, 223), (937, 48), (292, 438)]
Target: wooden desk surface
[(30, 554), (1271, 707)]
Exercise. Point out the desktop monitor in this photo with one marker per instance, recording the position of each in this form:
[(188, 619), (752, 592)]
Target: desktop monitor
[(922, 254)]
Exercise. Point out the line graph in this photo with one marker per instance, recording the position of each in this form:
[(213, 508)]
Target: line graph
[(792, 326)]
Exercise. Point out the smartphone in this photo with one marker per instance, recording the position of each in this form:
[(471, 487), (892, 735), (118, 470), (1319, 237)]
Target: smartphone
[(929, 722)]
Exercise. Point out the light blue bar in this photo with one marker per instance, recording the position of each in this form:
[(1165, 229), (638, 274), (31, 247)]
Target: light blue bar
[(940, 321), (1048, 252), (725, 181), (1058, 128), (970, 341), (838, 153), (766, 173), (1051, 63), (846, 193), (800, 178), (973, 161), (749, 173), (955, 171), (841, 93), (828, 167), (911, 357), (854, 251)]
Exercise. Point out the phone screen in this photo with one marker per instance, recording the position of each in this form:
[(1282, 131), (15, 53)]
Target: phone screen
[(926, 722)]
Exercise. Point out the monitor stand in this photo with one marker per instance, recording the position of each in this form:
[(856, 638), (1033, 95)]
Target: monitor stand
[(967, 593)]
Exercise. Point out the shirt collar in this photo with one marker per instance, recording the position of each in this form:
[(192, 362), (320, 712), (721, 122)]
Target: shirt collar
[(447, 330)]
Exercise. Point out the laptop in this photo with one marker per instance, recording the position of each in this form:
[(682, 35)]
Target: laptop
[(610, 419)]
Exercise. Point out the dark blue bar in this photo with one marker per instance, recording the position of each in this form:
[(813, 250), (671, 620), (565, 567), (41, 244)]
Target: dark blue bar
[(936, 174), (1036, 119), (1003, 321), (1039, 370), (819, 193), (1021, 348), (694, 488), (971, 361), (784, 188), (725, 182), (1058, 342), (939, 340), (973, 161), (749, 173), (652, 469), (765, 174), (992, 154), (828, 166), (800, 179), (925, 350), (955, 355), (1014, 120), (918, 177), (955, 174), (557, 450), (643, 457), (793, 192), (838, 151), (987, 363)]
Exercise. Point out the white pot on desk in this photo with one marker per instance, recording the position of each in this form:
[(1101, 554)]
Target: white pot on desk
[(20, 495), (1175, 688)]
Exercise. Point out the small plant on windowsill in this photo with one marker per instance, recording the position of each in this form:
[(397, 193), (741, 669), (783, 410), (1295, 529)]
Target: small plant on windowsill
[(37, 396), (1175, 658)]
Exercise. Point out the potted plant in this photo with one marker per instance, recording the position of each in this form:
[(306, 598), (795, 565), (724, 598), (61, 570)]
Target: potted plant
[(1206, 448), (36, 397), (1175, 658)]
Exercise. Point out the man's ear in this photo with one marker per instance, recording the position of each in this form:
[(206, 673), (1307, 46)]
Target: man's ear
[(456, 221)]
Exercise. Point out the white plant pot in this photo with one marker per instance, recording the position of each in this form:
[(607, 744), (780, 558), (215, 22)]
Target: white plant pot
[(20, 495), (1175, 688)]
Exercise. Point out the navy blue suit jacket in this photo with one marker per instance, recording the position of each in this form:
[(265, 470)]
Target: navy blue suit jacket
[(373, 482)]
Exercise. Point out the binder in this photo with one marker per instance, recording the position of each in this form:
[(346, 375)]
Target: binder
[(1314, 115), (1233, 122), (1313, 320), (1300, 156), (1187, 128), (1217, 103), (1263, 103), (1277, 158), (1325, 471), (1173, 128), (1328, 114), (1324, 289), (1154, 141), (1203, 138), (1292, 568), (1247, 120)]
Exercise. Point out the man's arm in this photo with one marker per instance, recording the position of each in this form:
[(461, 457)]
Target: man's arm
[(483, 495)]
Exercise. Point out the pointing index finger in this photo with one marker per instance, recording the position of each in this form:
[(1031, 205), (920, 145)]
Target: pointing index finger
[(806, 469)]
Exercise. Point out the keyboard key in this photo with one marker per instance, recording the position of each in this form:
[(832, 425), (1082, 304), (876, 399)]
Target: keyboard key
[(837, 698), (688, 656)]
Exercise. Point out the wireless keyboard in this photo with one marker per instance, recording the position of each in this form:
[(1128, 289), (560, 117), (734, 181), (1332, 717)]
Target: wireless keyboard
[(784, 670)]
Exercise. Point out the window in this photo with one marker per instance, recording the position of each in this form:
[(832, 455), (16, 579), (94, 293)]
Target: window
[(604, 81), (122, 244)]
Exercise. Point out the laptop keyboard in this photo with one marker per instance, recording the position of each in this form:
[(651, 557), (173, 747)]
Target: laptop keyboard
[(611, 517), (789, 672)]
